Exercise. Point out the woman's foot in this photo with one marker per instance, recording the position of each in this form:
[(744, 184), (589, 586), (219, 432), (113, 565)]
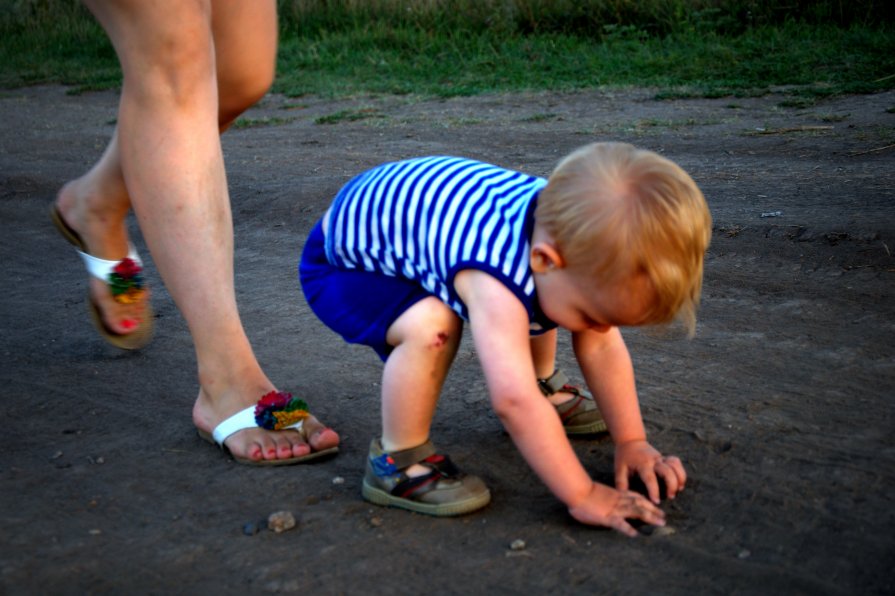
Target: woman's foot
[(258, 445), (98, 229)]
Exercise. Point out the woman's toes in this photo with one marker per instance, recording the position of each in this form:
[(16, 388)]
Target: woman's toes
[(118, 318), (299, 449), (271, 450), (286, 447), (254, 452), (325, 438), (320, 437)]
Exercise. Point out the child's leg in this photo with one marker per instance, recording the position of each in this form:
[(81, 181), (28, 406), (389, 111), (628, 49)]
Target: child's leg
[(425, 339), (543, 353), (404, 469), (576, 407)]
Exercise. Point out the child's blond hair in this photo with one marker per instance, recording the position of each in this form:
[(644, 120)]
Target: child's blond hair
[(614, 210)]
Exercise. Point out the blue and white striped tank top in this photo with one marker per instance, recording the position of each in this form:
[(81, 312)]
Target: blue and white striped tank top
[(428, 218)]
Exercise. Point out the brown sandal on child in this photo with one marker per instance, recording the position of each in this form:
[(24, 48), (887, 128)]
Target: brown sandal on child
[(443, 491), (579, 415)]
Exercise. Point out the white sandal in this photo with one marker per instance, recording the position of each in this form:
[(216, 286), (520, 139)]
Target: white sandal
[(275, 411)]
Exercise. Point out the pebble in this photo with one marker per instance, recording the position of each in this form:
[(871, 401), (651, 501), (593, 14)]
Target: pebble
[(744, 554), (250, 528), (376, 522), (338, 480), (517, 544), (664, 531), (281, 521)]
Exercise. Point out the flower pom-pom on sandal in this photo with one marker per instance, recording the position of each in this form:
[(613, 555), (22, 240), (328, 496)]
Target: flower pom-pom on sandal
[(579, 415), (125, 281), (275, 411), (442, 491)]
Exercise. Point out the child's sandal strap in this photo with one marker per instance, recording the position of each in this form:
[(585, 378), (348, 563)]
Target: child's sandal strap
[(554, 383), (395, 462), (440, 466), (407, 457)]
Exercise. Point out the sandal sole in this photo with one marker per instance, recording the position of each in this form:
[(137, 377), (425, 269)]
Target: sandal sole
[(380, 497), (591, 428)]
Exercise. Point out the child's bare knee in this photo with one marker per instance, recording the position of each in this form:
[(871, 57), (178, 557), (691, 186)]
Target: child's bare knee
[(443, 330), (429, 324), (442, 340)]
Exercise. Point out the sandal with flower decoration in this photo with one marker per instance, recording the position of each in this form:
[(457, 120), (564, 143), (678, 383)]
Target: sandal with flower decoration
[(443, 491), (125, 281), (579, 415), (275, 411)]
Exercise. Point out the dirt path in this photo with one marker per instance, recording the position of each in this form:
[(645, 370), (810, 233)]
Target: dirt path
[(782, 407)]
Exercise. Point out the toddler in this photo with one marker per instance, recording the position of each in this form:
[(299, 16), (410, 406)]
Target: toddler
[(410, 250)]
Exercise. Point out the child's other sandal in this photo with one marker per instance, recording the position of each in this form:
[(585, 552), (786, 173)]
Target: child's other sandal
[(443, 491), (580, 414)]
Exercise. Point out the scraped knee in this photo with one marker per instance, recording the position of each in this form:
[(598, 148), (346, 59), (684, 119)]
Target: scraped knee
[(429, 323)]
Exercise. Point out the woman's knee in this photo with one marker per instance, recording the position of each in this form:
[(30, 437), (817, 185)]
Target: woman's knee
[(237, 92), (245, 41), (165, 52)]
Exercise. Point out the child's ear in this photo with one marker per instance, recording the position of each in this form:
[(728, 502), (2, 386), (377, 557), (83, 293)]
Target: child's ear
[(544, 256)]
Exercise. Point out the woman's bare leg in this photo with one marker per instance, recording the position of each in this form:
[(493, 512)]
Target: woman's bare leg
[(245, 43), (170, 156), (97, 203)]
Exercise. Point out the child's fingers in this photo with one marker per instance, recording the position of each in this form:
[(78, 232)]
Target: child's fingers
[(634, 506), (651, 482), (667, 473), (679, 470), (619, 524), (672, 471), (621, 478)]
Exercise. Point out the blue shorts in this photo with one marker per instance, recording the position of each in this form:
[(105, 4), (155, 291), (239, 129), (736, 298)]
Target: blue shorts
[(358, 305)]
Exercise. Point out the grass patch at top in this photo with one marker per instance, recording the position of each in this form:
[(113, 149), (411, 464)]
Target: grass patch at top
[(464, 47), (819, 60)]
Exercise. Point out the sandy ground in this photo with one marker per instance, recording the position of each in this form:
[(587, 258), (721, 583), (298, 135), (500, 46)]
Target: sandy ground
[(781, 407)]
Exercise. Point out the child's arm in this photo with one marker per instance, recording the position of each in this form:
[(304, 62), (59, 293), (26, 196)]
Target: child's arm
[(499, 325), (607, 368)]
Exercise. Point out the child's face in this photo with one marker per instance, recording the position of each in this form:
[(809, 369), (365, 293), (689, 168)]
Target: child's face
[(579, 303)]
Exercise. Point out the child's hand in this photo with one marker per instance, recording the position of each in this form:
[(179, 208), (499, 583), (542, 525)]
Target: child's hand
[(605, 506), (649, 464)]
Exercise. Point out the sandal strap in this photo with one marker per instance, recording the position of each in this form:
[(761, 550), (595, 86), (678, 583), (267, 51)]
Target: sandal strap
[(554, 383), (407, 457), (440, 466), (101, 268), (240, 421)]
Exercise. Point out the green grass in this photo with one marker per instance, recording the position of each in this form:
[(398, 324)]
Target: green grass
[(348, 116), (816, 59), (245, 122), (682, 48)]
